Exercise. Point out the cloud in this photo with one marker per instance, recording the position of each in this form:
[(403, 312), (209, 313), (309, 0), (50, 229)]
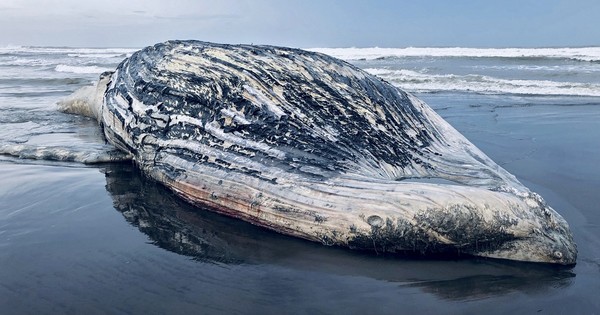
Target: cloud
[(199, 17)]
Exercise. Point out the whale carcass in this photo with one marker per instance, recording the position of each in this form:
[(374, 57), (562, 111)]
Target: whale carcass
[(313, 147)]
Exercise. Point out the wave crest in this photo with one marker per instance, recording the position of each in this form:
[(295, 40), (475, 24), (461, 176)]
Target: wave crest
[(591, 54)]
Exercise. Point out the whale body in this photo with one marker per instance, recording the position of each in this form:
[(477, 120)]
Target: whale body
[(310, 146)]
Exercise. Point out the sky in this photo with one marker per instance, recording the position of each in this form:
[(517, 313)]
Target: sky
[(302, 23)]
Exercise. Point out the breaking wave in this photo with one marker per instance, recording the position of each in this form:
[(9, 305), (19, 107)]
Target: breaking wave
[(422, 82), (81, 69), (65, 50)]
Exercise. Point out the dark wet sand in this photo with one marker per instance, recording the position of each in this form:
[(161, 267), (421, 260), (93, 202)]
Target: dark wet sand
[(103, 239)]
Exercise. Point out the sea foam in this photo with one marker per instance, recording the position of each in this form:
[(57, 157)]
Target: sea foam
[(80, 69)]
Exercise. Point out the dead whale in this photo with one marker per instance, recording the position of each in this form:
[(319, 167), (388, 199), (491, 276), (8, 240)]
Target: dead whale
[(313, 147)]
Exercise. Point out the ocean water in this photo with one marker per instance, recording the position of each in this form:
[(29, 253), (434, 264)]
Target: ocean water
[(101, 238)]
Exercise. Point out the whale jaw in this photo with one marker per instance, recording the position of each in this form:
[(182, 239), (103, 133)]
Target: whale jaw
[(552, 243)]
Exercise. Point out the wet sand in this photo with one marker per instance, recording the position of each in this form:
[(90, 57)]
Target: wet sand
[(103, 239)]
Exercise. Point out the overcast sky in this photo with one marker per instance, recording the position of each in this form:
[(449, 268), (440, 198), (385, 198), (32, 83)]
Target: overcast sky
[(302, 23)]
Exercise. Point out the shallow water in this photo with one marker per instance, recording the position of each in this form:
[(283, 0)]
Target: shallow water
[(104, 239)]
